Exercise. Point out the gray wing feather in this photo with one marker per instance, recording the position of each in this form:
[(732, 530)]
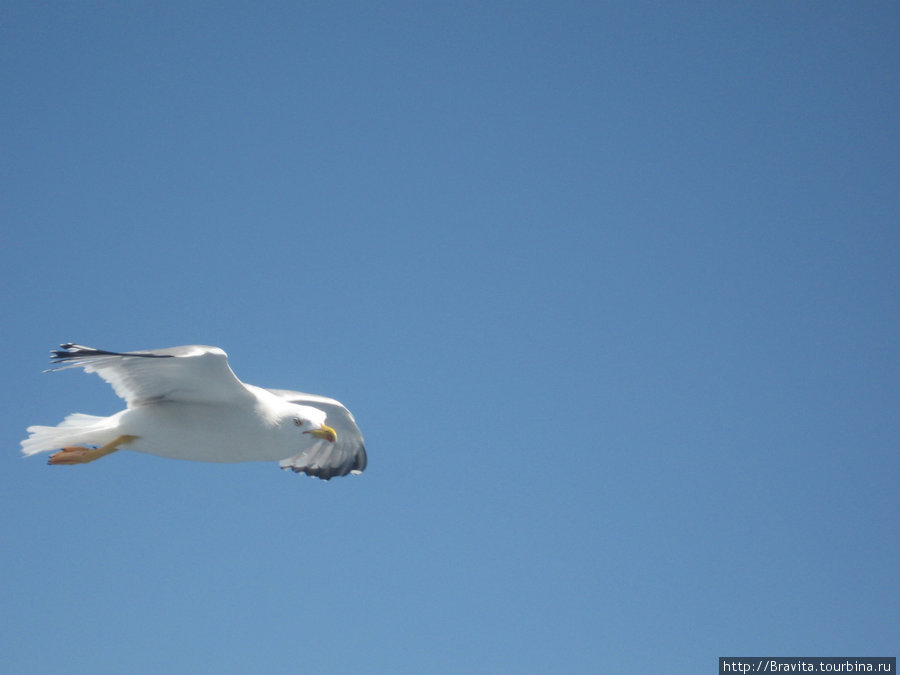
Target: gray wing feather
[(326, 460)]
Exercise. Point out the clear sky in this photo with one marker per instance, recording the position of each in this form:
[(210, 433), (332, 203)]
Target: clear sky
[(612, 289)]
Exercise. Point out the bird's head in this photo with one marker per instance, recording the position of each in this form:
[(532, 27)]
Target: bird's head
[(317, 429)]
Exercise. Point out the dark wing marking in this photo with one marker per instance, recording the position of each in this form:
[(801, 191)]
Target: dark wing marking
[(69, 351)]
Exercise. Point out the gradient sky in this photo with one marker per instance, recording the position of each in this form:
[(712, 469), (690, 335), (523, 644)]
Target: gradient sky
[(612, 289)]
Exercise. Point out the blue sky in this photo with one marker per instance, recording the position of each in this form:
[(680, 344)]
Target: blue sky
[(612, 289)]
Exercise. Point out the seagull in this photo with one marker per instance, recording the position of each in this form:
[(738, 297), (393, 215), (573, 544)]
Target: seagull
[(187, 403)]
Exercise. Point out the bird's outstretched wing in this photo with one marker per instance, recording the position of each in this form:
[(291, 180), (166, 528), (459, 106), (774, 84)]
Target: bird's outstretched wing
[(347, 454), (191, 374)]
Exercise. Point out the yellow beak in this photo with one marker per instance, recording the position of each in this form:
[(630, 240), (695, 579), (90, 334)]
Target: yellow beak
[(325, 432)]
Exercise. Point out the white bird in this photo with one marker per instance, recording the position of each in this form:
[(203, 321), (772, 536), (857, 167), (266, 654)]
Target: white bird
[(186, 403)]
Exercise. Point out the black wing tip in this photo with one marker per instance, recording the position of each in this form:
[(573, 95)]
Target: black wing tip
[(326, 473), (315, 472), (362, 460), (69, 350)]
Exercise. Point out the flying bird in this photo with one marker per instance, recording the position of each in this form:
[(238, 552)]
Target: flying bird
[(187, 403)]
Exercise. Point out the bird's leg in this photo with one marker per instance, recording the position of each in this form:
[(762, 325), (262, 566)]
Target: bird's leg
[(82, 455)]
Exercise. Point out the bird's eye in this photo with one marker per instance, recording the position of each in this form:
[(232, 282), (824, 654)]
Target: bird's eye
[(298, 422)]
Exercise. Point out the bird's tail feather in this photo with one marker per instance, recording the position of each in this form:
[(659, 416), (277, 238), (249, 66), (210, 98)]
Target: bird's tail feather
[(76, 429)]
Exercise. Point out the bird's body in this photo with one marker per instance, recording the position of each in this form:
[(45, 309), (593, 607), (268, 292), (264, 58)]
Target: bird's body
[(186, 403), (202, 433)]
